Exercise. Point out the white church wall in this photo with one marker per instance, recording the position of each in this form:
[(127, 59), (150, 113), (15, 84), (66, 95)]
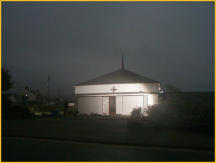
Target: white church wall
[(88, 105), (131, 102), (119, 108), (124, 104), (155, 97), (105, 109), (152, 99), (120, 88), (145, 101)]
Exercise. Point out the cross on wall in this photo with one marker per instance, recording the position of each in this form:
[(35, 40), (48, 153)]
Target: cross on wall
[(113, 89)]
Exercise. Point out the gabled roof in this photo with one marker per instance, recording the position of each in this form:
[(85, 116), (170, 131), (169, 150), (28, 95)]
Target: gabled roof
[(118, 77)]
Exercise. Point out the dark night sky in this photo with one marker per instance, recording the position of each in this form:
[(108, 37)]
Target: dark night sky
[(76, 41)]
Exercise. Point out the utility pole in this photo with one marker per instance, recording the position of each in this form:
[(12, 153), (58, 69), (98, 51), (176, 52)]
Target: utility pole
[(48, 89), (58, 95)]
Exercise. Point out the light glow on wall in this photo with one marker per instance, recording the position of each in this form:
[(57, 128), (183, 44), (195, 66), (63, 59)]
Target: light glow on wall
[(119, 88), (150, 100)]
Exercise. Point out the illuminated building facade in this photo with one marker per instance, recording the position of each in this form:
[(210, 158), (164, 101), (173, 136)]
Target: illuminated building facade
[(117, 92)]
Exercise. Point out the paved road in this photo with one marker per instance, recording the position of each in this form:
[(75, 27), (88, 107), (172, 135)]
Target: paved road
[(30, 149), (78, 139)]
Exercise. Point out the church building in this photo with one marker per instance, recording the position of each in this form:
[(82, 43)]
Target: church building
[(118, 92)]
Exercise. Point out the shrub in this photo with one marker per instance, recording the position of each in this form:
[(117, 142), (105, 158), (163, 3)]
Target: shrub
[(73, 112), (44, 108), (18, 111), (163, 111), (136, 113), (184, 107)]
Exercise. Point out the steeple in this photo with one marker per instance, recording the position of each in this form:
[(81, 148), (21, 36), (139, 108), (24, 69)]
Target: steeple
[(122, 64)]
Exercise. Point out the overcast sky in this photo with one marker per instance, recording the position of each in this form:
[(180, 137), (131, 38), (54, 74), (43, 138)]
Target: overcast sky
[(171, 42)]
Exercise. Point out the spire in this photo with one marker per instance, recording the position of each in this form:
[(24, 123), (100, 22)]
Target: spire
[(122, 64)]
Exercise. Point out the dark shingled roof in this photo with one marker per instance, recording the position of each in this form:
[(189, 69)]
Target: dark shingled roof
[(118, 77)]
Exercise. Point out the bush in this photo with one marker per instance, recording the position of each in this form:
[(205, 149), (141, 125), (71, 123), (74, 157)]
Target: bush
[(10, 110), (164, 111), (136, 113), (185, 107), (18, 111), (73, 112), (44, 108)]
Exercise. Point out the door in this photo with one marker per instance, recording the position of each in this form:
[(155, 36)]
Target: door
[(112, 105)]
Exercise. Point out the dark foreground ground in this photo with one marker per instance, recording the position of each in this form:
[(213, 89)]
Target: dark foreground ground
[(81, 139)]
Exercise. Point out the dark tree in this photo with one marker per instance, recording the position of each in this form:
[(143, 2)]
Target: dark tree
[(27, 88), (7, 82)]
